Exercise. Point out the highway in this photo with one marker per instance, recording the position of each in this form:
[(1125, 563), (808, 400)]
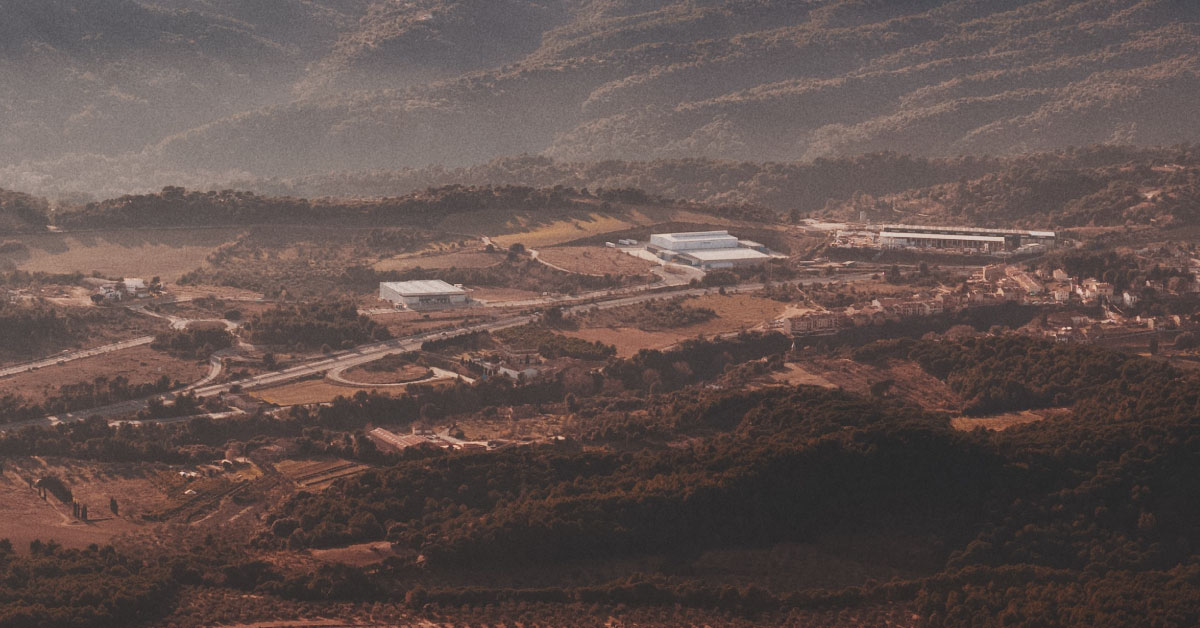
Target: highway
[(75, 355), (342, 360)]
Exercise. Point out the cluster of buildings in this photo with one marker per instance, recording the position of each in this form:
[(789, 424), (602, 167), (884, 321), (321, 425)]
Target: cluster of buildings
[(1000, 283), (708, 250), (970, 240), (874, 312), (128, 288)]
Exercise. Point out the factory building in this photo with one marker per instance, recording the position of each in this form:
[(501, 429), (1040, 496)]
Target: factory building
[(709, 250), (971, 238), (694, 240), (423, 295)]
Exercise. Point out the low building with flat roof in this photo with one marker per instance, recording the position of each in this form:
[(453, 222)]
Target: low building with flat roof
[(722, 258), (694, 240), (709, 250), (425, 294)]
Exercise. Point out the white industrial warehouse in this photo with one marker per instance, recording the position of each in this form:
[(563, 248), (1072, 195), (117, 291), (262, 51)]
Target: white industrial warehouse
[(709, 250), (423, 295), (975, 238)]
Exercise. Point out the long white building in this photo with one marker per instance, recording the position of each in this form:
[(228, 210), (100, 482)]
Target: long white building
[(423, 295), (974, 238), (709, 250), (694, 240)]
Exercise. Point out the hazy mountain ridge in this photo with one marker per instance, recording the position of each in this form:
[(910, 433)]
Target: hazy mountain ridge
[(291, 87)]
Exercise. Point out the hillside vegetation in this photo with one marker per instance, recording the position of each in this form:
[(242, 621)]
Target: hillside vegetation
[(147, 90), (21, 213)]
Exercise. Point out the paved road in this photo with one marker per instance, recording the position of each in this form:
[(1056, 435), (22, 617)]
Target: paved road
[(75, 355), (363, 354), (337, 375)]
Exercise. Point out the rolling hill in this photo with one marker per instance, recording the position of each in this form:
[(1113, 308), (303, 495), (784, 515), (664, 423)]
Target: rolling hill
[(138, 92)]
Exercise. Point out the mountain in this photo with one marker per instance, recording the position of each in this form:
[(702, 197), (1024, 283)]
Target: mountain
[(140, 91)]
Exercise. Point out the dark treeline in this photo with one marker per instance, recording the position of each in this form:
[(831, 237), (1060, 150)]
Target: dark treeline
[(312, 325), (52, 587), (1089, 515), (1106, 189), (553, 345), (806, 186), (175, 206), (22, 213), (193, 342), (81, 396), (1013, 372)]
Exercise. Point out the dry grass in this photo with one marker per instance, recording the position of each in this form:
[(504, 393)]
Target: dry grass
[(998, 422), (405, 373), (559, 231), (167, 253), (910, 382), (797, 375), (592, 260), (493, 295), (740, 310), (458, 259), (360, 555), (141, 365), (629, 340), (316, 391), (735, 312), (318, 474), (24, 516)]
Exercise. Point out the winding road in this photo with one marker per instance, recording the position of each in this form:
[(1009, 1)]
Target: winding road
[(342, 360)]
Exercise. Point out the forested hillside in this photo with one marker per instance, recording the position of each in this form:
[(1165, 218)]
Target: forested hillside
[(145, 91), (842, 185), (22, 212), (175, 206)]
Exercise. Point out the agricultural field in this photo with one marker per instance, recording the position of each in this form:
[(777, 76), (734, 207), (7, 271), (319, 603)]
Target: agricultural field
[(999, 422), (315, 391), (318, 474), (140, 365), (391, 369), (908, 381), (477, 258), (592, 260), (166, 253), (27, 517), (502, 295), (734, 312), (406, 323), (536, 235)]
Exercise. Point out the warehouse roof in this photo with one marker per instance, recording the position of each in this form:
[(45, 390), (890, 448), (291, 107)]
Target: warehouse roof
[(966, 230), (425, 287), (723, 255), (940, 236)]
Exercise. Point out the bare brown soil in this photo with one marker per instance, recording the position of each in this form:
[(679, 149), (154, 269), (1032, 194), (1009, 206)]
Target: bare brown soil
[(140, 365), (999, 422), (318, 474), (316, 391), (457, 259), (167, 253), (24, 516), (629, 340), (406, 373), (910, 382), (735, 312), (591, 260)]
